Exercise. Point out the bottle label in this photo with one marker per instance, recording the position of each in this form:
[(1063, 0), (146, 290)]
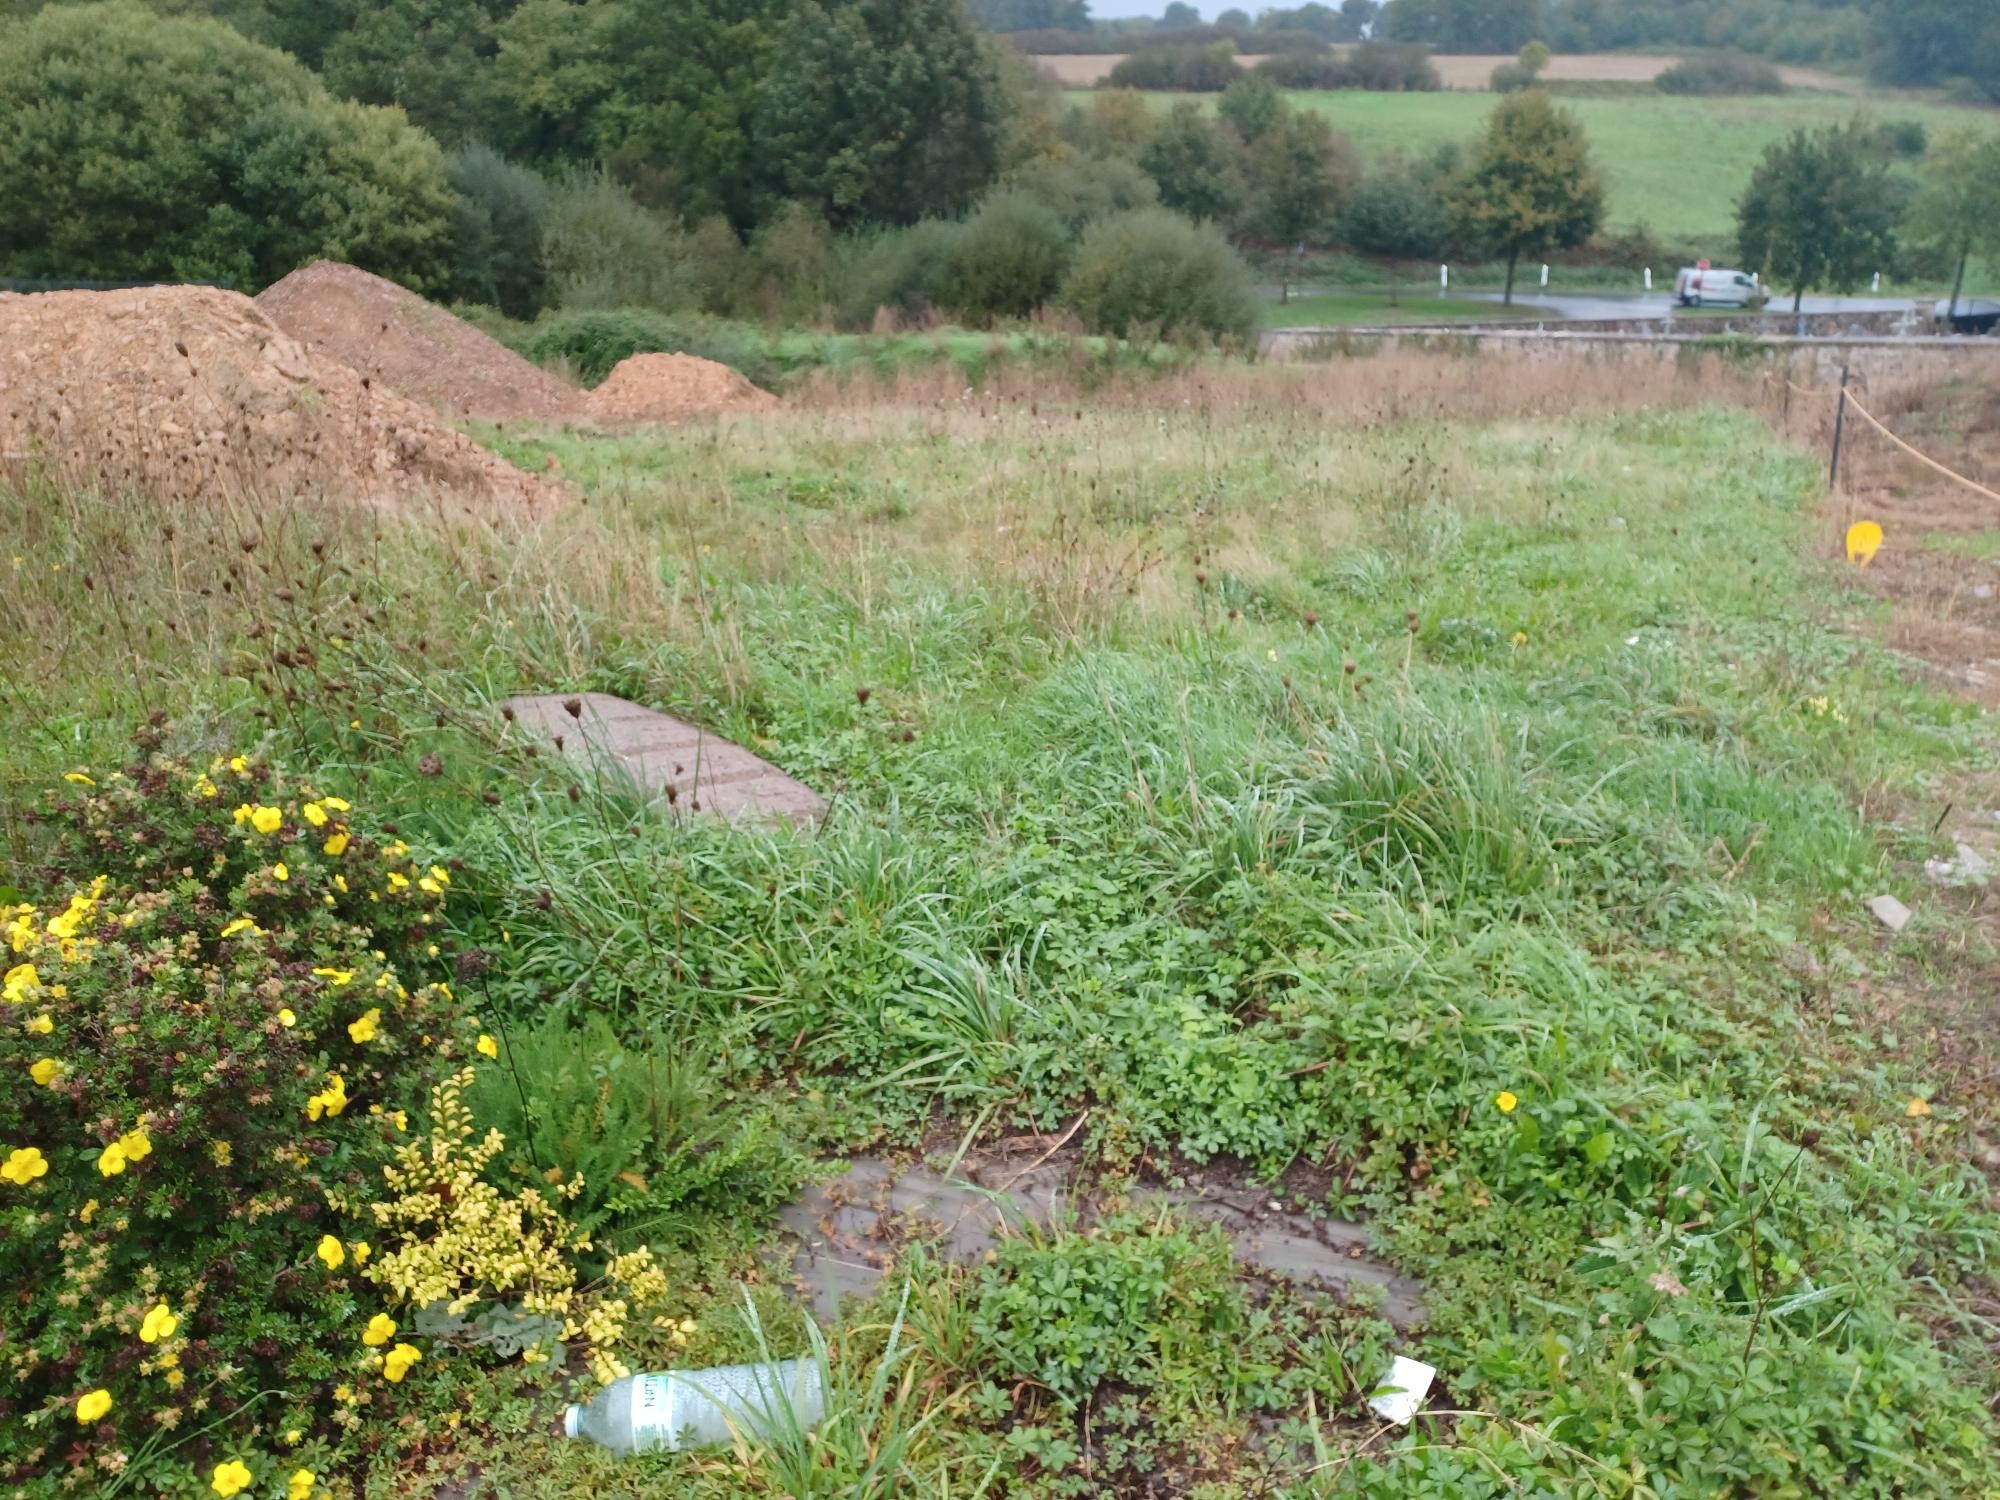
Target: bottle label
[(652, 1411)]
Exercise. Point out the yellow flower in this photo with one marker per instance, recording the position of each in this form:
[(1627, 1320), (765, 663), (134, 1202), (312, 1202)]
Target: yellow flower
[(231, 1478), (1520, 639), (1916, 1109), (440, 875), (23, 1165), (396, 1363), (112, 1160), (314, 814), (78, 778), (160, 1323), (487, 1046), (338, 977), (41, 1025), (338, 804), (280, 872), (94, 1405), (294, 1436), (135, 1145), (362, 1250), (222, 1152), (176, 1379), (287, 1018), (1505, 1102), (398, 882), (363, 1030), (45, 1072), (331, 1251), (429, 886), (88, 1211), (241, 924), (330, 1100), (203, 787), (381, 1328), (20, 981), (402, 1120), (336, 845), (267, 819), (239, 765), (300, 1485)]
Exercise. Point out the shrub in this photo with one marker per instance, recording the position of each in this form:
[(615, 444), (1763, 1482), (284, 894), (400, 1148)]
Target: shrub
[(592, 342), (1195, 160), (230, 1018), (1510, 78), (1154, 270), (1905, 138), (902, 270), (1721, 73), (604, 250), (144, 147), (1009, 260), (1377, 67), (1251, 105), (497, 226), (1080, 190), (1195, 70), (788, 265)]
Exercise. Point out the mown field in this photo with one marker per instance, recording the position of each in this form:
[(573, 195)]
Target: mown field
[(1362, 778), (1677, 165)]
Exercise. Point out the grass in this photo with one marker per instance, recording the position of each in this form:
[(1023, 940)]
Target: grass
[(1677, 165), (1246, 755), (1339, 310)]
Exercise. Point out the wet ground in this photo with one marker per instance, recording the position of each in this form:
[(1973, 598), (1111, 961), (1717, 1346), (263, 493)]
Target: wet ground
[(850, 1230)]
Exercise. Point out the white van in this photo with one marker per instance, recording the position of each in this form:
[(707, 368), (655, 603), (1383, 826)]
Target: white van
[(1707, 286)]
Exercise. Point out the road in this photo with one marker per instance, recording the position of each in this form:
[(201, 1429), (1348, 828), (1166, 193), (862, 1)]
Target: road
[(1600, 305)]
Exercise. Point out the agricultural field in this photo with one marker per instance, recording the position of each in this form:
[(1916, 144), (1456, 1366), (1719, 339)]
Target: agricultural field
[(1352, 785), (1467, 70), (1677, 165)]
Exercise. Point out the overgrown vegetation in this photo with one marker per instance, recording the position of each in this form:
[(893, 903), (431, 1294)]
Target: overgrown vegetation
[(1465, 819)]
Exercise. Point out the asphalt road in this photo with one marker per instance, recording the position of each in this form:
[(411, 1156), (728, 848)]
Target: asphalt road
[(1592, 305)]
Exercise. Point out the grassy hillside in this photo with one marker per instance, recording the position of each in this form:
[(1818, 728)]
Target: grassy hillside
[(1677, 165)]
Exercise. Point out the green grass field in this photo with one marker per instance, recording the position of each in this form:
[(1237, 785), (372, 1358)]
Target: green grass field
[(1677, 165), (1342, 309), (1461, 824)]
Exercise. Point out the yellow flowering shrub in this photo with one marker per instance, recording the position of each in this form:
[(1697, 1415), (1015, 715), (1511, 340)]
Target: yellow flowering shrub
[(453, 1239), (202, 1052)]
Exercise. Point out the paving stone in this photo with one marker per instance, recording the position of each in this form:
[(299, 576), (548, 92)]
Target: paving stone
[(680, 764), (1890, 912)]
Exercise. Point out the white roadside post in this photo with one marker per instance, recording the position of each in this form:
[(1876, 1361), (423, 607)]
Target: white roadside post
[(1545, 273), (1444, 280), (1649, 278)]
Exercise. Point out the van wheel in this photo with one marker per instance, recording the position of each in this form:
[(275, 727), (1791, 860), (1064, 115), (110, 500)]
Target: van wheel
[(1695, 301)]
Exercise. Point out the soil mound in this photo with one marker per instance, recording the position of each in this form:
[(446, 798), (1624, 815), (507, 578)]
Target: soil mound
[(182, 391), (414, 347), (670, 387)]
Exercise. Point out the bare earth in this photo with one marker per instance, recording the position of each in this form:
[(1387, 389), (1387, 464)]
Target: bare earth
[(191, 391), (670, 388), (414, 347), (1470, 70)]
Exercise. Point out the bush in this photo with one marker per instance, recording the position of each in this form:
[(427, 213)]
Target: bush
[(1154, 271), (1080, 190), (593, 341), (902, 270), (1377, 67), (140, 147), (1009, 260), (1251, 105), (497, 227), (1510, 78), (236, 1013), (1907, 139), (1721, 73), (604, 250), (1193, 70), (1196, 160)]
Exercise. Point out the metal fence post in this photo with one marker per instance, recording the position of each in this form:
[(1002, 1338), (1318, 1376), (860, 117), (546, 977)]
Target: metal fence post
[(1839, 422)]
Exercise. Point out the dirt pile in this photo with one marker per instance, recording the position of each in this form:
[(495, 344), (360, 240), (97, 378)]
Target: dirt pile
[(414, 347), (671, 387), (185, 391)]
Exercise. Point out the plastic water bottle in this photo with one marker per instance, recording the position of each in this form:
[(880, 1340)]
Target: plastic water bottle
[(677, 1409)]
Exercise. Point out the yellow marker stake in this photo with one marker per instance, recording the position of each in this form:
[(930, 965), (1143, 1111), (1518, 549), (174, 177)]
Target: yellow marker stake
[(1864, 538)]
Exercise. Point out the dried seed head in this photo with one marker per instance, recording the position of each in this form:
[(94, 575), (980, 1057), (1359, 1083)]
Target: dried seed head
[(575, 792), (573, 707), (861, 696)]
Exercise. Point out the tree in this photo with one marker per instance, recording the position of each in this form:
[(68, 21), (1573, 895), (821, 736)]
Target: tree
[(1524, 72), (879, 111), (1233, 19), (1463, 25), (1397, 213), (1821, 210), (426, 55), (1252, 105), (1193, 160), (1357, 18), (497, 224), (1154, 272), (1032, 15), (1009, 260), (140, 147), (1531, 186), (1929, 41), (1957, 208), (1180, 13), (1299, 172)]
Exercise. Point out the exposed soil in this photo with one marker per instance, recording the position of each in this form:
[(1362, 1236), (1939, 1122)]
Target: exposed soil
[(192, 391), (672, 388), (413, 347), (1469, 70)]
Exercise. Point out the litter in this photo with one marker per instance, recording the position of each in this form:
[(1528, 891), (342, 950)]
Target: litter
[(678, 1409), (1401, 1394)]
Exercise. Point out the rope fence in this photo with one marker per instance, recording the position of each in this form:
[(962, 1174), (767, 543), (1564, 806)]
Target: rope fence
[(1847, 395)]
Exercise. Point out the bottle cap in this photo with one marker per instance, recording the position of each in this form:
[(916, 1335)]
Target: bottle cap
[(572, 1421)]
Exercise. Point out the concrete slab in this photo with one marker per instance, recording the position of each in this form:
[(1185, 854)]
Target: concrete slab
[(1890, 912), (680, 764), (851, 1229)]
